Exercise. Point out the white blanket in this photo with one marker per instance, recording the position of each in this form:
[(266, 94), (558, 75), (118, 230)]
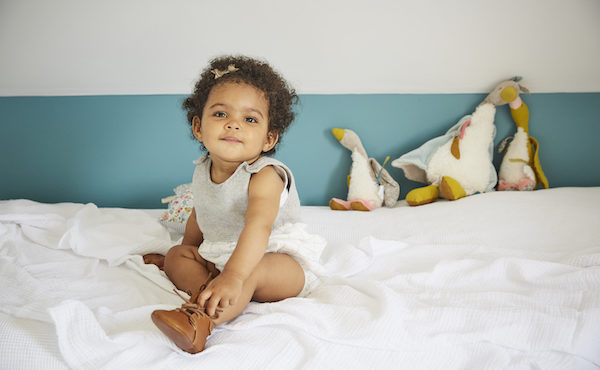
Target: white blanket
[(495, 281)]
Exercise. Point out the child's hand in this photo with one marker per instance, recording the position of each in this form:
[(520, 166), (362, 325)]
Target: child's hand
[(223, 291)]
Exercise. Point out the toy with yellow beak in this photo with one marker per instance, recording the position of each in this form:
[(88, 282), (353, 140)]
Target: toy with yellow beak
[(520, 168), (458, 163), (370, 186)]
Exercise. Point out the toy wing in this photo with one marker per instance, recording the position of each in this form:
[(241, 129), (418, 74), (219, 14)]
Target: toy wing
[(391, 189), (537, 165), (416, 162)]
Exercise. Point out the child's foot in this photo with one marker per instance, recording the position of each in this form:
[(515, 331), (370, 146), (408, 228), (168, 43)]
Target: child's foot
[(187, 326), (155, 259)]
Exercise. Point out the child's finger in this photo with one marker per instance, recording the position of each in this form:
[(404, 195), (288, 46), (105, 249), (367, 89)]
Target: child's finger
[(224, 304), (203, 297), (211, 306), (227, 302)]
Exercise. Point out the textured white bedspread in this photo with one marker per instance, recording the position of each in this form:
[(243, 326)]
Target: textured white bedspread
[(495, 281)]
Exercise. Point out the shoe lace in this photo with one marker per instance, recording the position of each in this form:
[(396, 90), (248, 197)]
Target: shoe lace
[(192, 309)]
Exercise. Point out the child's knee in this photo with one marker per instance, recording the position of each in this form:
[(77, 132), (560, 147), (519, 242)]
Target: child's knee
[(279, 276), (182, 255), (174, 257), (174, 251), (182, 251)]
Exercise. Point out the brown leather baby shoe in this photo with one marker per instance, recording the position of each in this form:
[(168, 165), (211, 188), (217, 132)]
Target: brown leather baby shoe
[(187, 326)]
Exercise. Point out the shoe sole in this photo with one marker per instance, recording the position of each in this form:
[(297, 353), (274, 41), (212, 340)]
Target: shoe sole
[(172, 333)]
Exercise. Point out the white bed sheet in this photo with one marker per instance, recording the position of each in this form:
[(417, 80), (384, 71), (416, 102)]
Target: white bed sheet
[(497, 280)]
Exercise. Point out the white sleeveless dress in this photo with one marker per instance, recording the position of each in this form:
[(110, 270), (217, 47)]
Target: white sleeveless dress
[(221, 210)]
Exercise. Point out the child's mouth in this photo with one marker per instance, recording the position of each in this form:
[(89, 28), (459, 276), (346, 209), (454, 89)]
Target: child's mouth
[(231, 139)]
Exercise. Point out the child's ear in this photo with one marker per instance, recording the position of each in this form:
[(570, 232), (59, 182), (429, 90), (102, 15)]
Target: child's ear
[(272, 138), (196, 128)]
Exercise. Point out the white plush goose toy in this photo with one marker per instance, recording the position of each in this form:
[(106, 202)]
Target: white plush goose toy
[(369, 185), (520, 168), (458, 163)]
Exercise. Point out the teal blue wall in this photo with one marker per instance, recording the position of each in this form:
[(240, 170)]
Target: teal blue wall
[(130, 151)]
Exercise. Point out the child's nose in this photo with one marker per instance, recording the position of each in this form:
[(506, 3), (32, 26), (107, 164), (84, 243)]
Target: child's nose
[(233, 124)]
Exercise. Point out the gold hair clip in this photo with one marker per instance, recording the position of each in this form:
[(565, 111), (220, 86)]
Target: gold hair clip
[(218, 73)]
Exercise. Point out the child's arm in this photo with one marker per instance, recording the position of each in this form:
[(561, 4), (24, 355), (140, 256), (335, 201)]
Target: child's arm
[(264, 192), (192, 234)]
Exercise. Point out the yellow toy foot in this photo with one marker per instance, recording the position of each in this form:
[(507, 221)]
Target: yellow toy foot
[(451, 189), (422, 196)]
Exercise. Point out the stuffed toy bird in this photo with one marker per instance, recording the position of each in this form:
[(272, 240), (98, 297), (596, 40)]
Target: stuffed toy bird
[(458, 163), (369, 185), (520, 168)]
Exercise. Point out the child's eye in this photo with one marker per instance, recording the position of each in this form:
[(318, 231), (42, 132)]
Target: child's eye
[(220, 115), (251, 120)]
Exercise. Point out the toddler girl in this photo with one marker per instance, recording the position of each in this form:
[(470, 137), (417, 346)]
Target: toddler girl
[(242, 241)]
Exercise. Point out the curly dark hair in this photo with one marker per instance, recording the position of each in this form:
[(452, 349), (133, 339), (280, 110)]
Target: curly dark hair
[(280, 96)]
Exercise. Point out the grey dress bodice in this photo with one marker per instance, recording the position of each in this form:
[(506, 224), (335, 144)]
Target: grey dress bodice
[(221, 208)]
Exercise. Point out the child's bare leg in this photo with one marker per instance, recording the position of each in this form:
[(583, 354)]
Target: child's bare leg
[(187, 269), (277, 276)]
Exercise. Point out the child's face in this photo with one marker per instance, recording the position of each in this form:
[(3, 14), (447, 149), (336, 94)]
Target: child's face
[(234, 124)]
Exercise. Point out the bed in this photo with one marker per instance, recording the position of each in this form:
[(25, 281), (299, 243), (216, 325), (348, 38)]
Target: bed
[(492, 281)]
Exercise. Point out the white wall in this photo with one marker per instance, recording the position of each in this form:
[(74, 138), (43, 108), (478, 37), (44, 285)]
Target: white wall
[(73, 47)]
